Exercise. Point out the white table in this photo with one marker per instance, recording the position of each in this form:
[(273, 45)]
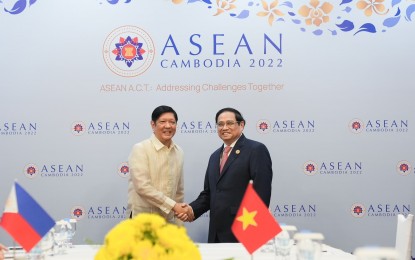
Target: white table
[(238, 252), (208, 251)]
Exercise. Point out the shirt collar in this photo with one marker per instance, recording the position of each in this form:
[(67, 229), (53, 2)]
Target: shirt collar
[(232, 144), (159, 145)]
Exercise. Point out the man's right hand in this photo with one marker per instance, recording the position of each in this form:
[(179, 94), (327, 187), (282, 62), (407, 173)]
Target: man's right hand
[(185, 213), (2, 250)]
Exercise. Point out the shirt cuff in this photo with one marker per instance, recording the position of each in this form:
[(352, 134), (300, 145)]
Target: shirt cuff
[(167, 205)]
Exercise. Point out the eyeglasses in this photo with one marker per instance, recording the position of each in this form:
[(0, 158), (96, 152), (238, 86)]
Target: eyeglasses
[(229, 123), (173, 123)]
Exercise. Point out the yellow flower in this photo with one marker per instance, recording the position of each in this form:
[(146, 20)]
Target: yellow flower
[(145, 250), (147, 237), (116, 239), (224, 6), (270, 11), (372, 6), (172, 237), (316, 14)]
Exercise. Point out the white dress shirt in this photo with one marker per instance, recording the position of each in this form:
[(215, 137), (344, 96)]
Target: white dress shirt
[(156, 178)]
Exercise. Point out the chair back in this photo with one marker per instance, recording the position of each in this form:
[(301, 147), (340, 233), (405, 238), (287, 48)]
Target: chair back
[(403, 243)]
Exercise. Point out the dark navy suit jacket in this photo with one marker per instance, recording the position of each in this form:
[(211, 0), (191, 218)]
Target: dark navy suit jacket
[(223, 193)]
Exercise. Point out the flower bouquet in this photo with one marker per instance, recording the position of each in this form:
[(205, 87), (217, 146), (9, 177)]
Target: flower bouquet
[(147, 236)]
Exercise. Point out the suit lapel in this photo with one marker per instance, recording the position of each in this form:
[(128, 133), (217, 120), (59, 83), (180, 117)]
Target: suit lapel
[(236, 150), (216, 163)]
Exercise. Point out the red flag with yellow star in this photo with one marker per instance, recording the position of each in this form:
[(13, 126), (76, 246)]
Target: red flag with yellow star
[(254, 225)]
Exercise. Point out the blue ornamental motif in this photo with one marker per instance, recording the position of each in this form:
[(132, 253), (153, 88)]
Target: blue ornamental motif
[(18, 6), (316, 17)]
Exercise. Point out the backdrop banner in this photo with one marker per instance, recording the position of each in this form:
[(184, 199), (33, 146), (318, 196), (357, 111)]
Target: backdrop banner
[(327, 86)]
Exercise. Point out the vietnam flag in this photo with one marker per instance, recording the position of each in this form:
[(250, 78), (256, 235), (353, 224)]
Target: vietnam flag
[(24, 219), (254, 225)]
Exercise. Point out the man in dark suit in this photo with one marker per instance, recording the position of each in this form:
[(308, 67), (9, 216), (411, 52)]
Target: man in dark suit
[(223, 190)]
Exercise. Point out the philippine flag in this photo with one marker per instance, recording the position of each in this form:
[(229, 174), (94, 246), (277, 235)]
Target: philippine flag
[(24, 219)]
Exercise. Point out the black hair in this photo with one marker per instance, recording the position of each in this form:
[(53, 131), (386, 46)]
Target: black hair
[(238, 115), (158, 111)]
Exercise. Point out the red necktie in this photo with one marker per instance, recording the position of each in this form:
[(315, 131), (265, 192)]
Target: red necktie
[(224, 157)]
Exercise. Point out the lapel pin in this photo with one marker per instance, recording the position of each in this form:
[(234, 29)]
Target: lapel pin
[(237, 152)]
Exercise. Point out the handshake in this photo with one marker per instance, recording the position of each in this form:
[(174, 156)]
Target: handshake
[(2, 250), (184, 212)]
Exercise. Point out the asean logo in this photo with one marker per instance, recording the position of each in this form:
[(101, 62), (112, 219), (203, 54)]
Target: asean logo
[(123, 170), (263, 126), (358, 210), (30, 170), (78, 128), (404, 168), (310, 168), (356, 126), (78, 212), (128, 51)]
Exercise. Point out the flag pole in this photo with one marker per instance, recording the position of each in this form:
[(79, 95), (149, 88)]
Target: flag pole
[(14, 249), (14, 241)]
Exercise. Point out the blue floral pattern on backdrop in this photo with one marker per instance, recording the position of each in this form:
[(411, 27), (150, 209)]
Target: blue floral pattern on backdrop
[(316, 17)]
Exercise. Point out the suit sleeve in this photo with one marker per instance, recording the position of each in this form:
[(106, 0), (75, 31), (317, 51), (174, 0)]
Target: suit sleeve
[(202, 203), (261, 172)]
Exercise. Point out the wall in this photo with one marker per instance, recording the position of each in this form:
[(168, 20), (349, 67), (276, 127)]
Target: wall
[(333, 102)]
